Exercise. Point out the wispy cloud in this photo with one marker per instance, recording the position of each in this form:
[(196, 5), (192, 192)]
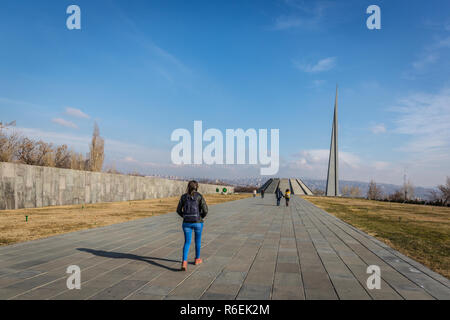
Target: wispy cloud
[(319, 157), (302, 14), (425, 61), (167, 64), (429, 56), (423, 120), (314, 164), (443, 42), (76, 113), (286, 22), (426, 119), (320, 66), (318, 83), (378, 128), (64, 123)]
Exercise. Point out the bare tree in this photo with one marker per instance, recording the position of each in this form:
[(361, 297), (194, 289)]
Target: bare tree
[(112, 169), (355, 192), (435, 196), (345, 191), (14, 147), (77, 161), (351, 192), (62, 157), (27, 151), (374, 192), (97, 150), (397, 196), (445, 191), (408, 190), (45, 154), (318, 192), (9, 142)]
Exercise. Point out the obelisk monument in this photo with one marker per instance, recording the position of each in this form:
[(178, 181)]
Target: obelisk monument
[(333, 163)]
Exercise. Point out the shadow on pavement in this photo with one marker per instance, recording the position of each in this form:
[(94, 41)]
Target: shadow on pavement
[(120, 255)]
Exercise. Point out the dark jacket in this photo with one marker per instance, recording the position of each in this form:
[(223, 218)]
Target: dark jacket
[(203, 208), (279, 194)]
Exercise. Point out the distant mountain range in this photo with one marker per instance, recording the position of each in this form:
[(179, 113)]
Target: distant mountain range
[(419, 192)]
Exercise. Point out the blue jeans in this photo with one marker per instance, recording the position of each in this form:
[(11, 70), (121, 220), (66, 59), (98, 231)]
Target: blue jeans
[(187, 229)]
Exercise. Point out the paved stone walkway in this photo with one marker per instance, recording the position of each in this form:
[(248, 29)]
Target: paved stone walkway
[(252, 250)]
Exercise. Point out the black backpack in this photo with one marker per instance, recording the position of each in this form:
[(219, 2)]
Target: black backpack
[(191, 210)]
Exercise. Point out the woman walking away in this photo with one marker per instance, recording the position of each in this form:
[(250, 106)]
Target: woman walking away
[(193, 209), (287, 196), (278, 195)]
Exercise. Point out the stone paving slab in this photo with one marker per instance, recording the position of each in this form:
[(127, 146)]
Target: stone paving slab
[(251, 248)]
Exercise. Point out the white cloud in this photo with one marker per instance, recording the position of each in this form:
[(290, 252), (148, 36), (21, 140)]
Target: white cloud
[(379, 128), (76, 113), (322, 65), (426, 119), (64, 123), (286, 22), (425, 61), (318, 83), (318, 157), (314, 164), (8, 101), (443, 43), (302, 14), (166, 58), (381, 165), (429, 56)]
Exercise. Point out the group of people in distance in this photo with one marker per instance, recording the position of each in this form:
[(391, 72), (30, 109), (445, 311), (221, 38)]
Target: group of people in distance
[(193, 209), (286, 196), (278, 195)]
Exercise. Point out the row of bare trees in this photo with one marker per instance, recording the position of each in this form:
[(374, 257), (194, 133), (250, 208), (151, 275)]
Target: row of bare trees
[(405, 193), (16, 148), (351, 192), (438, 196), (442, 194)]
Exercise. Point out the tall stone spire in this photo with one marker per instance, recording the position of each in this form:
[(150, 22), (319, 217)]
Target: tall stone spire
[(333, 163)]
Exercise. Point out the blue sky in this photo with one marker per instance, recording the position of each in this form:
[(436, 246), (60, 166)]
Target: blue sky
[(142, 69)]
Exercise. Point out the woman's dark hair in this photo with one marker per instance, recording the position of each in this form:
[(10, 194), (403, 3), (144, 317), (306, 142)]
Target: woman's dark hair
[(192, 187), (287, 190)]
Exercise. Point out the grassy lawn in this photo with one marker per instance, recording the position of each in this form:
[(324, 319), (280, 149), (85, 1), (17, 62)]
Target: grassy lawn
[(420, 232), (49, 221)]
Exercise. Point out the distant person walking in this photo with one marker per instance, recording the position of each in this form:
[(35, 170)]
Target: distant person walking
[(254, 193), (278, 195), (193, 209), (287, 196), (262, 193)]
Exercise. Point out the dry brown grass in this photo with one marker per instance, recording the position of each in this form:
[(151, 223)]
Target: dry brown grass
[(418, 231), (49, 221)]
